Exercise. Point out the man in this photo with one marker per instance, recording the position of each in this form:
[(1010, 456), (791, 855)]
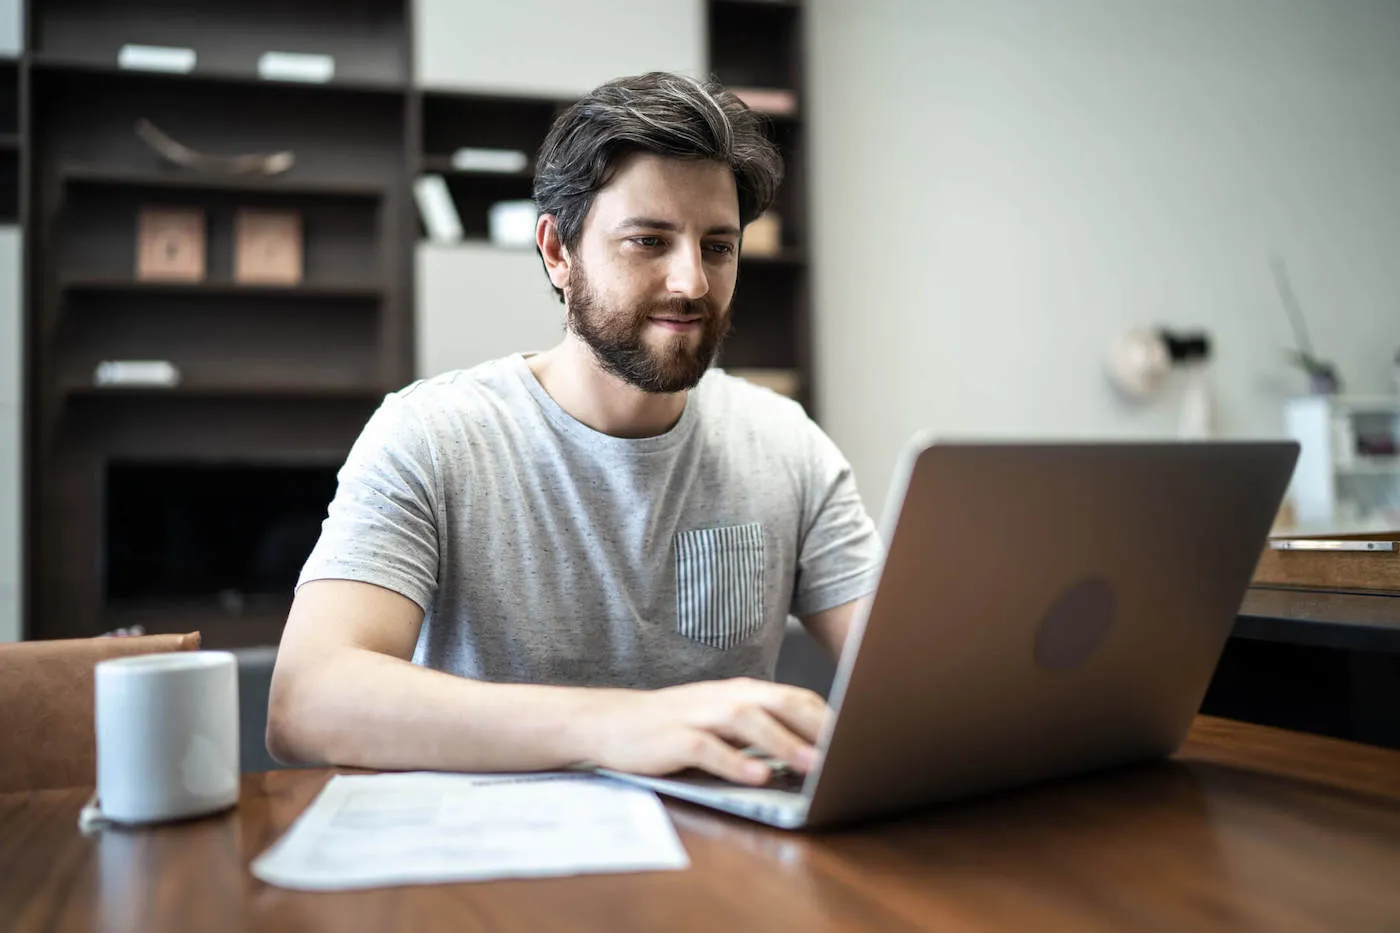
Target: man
[(589, 554)]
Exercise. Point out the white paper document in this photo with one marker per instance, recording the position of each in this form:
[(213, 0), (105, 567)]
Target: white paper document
[(388, 829)]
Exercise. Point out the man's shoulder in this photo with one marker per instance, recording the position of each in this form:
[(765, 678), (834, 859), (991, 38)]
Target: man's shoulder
[(461, 391), (743, 401)]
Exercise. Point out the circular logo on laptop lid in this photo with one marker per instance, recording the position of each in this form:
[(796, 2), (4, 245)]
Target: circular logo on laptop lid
[(1076, 624)]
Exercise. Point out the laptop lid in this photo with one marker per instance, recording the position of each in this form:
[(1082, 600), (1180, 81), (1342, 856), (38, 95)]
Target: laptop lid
[(1044, 609)]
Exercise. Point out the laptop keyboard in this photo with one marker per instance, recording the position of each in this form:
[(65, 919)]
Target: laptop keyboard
[(783, 777)]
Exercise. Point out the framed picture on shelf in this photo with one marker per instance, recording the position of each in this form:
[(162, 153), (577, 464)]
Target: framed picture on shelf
[(170, 244), (267, 247)]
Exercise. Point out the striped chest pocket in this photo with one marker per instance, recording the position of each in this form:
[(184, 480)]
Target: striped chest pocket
[(719, 584)]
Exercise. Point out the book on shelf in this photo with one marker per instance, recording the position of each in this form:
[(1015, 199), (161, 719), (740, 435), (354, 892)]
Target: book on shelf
[(435, 205)]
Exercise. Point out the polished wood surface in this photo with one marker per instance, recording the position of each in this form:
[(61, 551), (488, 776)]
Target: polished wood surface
[(1247, 828), (1344, 571)]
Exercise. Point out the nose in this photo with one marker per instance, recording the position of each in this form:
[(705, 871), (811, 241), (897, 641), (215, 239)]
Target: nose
[(686, 276)]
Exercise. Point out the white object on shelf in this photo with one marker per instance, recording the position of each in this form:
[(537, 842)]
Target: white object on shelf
[(512, 223), (1336, 483), (296, 66), (436, 207), (476, 159), (163, 58), (159, 373)]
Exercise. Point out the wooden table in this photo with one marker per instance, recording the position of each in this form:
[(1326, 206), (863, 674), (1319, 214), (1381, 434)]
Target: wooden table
[(1248, 828)]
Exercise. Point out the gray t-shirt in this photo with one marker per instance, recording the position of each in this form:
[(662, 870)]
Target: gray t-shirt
[(542, 551)]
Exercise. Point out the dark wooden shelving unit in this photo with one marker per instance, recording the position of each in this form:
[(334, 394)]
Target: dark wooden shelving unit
[(227, 390), (224, 289), (269, 373), (205, 75), (11, 142), (758, 45), (171, 179)]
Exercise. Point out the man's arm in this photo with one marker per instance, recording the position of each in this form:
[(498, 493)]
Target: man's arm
[(345, 690), (831, 627)]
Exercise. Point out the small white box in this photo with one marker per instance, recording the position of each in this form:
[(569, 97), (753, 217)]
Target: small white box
[(474, 159), (296, 66), (162, 58), (512, 223), (160, 373)]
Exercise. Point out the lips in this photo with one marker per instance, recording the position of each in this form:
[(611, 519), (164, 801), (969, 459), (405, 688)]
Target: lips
[(676, 323)]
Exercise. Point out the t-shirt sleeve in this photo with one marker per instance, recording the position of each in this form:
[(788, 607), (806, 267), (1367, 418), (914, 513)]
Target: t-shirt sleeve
[(840, 553), (382, 526)]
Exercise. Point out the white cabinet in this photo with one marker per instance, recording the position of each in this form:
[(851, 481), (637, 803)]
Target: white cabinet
[(11, 449), (554, 48), (1348, 474), (478, 302)]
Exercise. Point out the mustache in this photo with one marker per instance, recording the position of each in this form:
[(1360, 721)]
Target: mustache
[(681, 307)]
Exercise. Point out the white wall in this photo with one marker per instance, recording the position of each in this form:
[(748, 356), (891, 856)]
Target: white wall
[(11, 27), (11, 368), (999, 187), (478, 302), (553, 47)]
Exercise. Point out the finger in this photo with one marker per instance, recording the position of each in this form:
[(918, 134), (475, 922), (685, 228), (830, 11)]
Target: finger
[(801, 711), (754, 725), (711, 753)]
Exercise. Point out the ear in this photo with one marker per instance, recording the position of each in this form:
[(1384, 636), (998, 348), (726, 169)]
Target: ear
[(555, 255)]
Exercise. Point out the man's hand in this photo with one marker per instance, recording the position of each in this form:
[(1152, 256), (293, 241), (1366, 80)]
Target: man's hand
[(704, 726)]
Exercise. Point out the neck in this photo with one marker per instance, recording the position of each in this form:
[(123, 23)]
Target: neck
[(595, 397)]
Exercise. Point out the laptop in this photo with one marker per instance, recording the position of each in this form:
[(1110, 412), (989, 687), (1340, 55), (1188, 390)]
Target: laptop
[(1044, 610)]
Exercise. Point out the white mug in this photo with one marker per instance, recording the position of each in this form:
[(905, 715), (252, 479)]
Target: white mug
[(167, 735)]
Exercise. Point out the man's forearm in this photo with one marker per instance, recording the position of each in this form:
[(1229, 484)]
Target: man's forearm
[(365, 709)]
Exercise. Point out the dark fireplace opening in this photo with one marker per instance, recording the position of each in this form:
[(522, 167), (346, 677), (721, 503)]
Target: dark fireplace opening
[(210, 532)]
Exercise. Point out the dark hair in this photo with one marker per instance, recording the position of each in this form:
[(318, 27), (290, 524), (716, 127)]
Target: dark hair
[(660, 113)]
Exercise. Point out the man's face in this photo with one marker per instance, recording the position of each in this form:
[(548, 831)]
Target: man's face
[(651, 282)]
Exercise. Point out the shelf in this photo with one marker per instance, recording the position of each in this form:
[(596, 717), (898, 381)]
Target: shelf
[(61, 65), (256, 392), (258, 621), (91, 176), (501, 98), (221, 289)]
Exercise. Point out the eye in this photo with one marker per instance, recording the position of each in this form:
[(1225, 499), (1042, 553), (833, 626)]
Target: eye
[(723, 249), (648, 242)]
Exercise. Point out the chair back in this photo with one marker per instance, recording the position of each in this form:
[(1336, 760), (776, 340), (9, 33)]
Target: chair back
[(46, 705)]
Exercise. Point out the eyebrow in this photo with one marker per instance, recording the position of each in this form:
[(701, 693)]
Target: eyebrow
[(651, 223)]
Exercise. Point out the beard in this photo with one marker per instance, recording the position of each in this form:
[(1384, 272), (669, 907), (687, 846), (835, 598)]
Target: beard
[(617, 338)]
